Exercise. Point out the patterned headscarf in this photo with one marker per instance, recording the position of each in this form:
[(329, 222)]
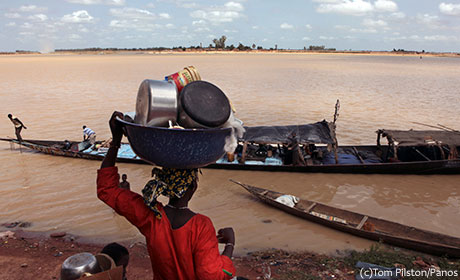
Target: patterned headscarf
[(169, 182)]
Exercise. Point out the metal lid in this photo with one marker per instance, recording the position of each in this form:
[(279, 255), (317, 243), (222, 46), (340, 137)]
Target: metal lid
[(205, 103)]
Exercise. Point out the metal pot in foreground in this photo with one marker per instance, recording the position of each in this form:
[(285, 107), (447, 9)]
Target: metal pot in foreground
[(75, 266)]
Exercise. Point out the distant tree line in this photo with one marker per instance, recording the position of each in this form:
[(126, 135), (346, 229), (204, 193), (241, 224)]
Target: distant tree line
[(320, 48), (113, 49), (406, 51), (220, 44), (20, 52), (217, 44)]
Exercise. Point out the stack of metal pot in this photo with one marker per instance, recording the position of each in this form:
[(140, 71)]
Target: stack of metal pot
[(183, 99)]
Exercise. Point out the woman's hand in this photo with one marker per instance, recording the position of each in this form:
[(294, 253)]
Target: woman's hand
[(226, 235), (117, 134), (116, 128)]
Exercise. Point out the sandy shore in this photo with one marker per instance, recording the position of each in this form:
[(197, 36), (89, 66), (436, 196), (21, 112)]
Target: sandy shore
[(27, 255)]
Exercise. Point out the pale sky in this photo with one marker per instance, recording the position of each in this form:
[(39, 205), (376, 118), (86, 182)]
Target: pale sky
[(429, 25)]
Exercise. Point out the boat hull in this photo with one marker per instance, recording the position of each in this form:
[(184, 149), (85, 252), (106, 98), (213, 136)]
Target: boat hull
[(396, 234), (419, 167), (48, 147), (415, 167)]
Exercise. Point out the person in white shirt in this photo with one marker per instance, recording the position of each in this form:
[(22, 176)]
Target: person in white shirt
[(18, 125), (89, 134)]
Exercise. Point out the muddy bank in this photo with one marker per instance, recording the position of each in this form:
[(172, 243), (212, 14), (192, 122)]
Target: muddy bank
[(27, 255)]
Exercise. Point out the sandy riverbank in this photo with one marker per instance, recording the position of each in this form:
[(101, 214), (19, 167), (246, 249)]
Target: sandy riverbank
[(27, 255), (213, 51)]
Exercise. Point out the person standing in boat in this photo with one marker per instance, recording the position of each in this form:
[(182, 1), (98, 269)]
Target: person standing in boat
[(182, 244), (294, 151), (124, 184), (18, 125), (89, 134)]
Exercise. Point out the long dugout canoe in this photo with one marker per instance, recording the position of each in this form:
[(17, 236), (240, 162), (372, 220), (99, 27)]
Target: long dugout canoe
[(363, 225)]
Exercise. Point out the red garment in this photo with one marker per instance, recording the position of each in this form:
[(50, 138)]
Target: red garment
[(189, 252)]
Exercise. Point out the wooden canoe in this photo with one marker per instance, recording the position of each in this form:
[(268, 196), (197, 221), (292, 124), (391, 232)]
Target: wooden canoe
[(363, 225), (56, 148), (414, 167)]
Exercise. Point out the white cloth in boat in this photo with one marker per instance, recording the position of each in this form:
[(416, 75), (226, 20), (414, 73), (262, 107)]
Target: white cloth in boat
[(231, 141), (288, 200)]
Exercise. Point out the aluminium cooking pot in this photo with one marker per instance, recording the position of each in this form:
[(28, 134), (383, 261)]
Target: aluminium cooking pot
[(75, 266), (156, 103)]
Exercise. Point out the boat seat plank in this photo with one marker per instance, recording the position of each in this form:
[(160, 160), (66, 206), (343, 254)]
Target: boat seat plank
[(362, 222), (357, 154), (310, 207)]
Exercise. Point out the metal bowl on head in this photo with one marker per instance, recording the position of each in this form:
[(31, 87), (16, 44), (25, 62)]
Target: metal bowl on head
[(176, 148)]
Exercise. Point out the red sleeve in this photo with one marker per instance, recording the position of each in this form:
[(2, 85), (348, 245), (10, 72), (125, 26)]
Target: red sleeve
[(124, 202), (209, 264)]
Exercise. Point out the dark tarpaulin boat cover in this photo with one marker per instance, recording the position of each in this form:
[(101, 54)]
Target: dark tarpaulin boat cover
[(316, 133), (422, 137)]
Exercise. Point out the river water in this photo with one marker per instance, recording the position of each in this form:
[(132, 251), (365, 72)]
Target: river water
[(55, 95)]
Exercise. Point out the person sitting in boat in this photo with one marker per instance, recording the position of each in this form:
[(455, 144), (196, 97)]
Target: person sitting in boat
[(181, 244), (89, 134), (313, 151), (18, 125), (261, 151), (124, 184), (67, 145)]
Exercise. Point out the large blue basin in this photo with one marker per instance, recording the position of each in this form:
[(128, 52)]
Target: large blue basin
[(176, 148)]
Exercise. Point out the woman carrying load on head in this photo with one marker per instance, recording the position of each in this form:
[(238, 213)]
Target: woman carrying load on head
[(181, 244)]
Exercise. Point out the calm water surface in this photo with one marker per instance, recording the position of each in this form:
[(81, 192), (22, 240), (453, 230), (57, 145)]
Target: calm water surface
[(55, 95)]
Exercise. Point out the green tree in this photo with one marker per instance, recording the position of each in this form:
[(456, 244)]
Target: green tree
[(316, 48), (220, 43)]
